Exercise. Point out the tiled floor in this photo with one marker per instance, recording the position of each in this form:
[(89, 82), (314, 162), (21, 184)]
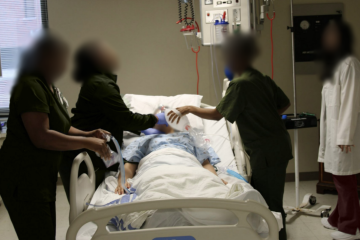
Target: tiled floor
[(300, 227)]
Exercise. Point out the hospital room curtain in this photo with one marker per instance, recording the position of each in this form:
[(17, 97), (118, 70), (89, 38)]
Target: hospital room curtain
[(20, 22)]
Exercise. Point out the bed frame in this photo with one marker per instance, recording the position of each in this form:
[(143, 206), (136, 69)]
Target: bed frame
[(242, 230), (82, 189)]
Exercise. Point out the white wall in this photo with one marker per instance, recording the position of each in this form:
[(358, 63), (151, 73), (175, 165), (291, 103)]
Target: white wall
[(155, 60)]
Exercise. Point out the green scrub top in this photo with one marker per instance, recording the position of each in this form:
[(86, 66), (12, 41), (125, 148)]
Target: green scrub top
[(100, 105), (252, 100), (30, 173)]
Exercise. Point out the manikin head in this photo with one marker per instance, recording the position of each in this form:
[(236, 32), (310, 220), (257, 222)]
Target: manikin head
[(163, 128)]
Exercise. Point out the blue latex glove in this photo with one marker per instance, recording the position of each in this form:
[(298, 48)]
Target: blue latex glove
[(162, 119), (151, 131), (228, 73)]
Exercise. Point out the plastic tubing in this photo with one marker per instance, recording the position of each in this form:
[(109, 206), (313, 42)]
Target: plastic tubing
[(122, 169), (272, 43), (215, 58), (197, 69), (212, 65)]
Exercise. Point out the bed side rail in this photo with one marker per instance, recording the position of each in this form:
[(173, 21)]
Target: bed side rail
[(241, 157), (82, 187), (242, 230)]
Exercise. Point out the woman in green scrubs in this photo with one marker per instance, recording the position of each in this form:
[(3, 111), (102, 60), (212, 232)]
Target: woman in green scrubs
[(39, 130), (100, 105), (255, 103)]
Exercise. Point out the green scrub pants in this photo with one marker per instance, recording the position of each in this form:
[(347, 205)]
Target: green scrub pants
[(31, 220), (270, 182)]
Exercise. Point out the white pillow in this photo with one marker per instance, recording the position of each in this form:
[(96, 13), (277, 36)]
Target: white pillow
[(146, 104)]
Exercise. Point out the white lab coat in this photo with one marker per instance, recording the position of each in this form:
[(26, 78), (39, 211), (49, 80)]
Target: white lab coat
[(340, 120)]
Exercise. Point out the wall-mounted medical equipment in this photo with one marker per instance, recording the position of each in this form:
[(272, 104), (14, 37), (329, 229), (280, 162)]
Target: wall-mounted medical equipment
[(190, 31), (220, 18), (221, 28), (190, 28), (224, 17), (214, 15), (241, 15), (309, 23)]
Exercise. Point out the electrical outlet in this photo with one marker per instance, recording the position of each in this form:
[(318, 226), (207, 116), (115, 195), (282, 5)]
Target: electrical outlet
[(237, 14)]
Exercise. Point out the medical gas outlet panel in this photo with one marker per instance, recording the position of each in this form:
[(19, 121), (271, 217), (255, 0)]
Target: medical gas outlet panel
[(237, 15)]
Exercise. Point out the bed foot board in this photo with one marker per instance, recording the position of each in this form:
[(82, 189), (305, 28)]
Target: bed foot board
[(241, 230)]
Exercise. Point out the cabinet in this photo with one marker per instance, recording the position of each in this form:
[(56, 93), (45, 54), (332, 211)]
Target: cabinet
[(326, 183)]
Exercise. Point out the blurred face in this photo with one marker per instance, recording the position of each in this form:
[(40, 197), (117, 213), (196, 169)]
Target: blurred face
[(165, 129), (235, 63), (54, 65), (331, 38), (106, 57)]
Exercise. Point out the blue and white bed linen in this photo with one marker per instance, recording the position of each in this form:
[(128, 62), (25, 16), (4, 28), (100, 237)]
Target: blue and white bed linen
[(143, 146)]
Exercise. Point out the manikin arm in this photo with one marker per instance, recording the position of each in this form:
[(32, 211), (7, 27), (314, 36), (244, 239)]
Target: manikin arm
[(206, 164), (130, 170)]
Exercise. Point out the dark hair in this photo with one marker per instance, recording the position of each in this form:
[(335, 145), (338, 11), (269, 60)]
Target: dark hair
[(85, 61), (46, 45), (242, 46), (331, 59)]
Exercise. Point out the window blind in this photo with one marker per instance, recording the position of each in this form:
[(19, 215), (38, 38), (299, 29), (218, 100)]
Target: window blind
[(20, 22)]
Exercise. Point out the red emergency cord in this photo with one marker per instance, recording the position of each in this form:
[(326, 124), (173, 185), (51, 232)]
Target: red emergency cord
[(272, 43), (191, 28)]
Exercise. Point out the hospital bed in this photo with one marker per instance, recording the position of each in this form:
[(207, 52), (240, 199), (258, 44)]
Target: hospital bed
[(227, 143)]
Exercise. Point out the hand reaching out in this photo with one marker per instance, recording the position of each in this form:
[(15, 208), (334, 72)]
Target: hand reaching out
[(119, 190), (175, 117)]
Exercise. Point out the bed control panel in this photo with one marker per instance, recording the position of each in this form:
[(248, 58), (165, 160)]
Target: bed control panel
[(302, 120)]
